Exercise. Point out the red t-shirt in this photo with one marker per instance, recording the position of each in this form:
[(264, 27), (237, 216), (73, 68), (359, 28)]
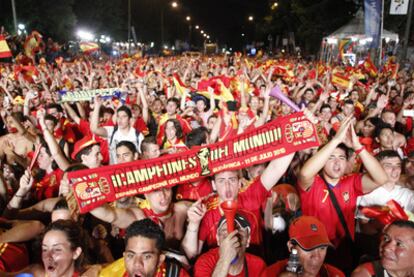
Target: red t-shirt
[(140, 125), (207, 262), (280, 267), (193, 193), (249, 200), (316, 202), (48, 187), (13, 257), (84, 127)]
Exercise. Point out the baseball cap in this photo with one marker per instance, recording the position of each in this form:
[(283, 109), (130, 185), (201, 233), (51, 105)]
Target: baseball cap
[(309, 233), (238, 219), (82, 144)]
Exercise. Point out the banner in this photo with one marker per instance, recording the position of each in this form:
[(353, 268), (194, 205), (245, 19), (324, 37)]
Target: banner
[(88, 95), (280, 137), (399, 7), (373, 21)]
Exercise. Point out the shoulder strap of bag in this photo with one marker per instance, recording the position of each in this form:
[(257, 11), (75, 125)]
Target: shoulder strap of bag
[(338, 209)]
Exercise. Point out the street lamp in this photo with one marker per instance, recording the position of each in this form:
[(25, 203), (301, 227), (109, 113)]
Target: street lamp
[(251, 18), (197, 27), (202, 32), (188, 18), (174, 4), (274, 5)]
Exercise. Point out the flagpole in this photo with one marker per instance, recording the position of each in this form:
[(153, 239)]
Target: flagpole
[(381, 30), (407, 30), (14, 15)]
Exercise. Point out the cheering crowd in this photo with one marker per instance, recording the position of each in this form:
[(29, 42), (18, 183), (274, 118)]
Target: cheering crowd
[(342, 209)]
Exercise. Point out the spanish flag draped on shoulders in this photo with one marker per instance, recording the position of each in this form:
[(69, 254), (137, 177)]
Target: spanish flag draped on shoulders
[(161, 126)]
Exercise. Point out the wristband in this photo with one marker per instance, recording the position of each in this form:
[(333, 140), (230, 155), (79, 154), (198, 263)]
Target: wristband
[(360, 150)]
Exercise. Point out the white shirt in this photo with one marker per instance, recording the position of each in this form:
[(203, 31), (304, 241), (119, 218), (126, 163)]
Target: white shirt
[(118, 137), (380, 196)]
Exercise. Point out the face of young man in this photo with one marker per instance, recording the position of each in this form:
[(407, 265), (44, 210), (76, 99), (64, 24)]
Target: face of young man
[(142, 258), (171, 108), (124, 155), (122, 120), (227, 185), (386, 138), (94, 158), (336, 165), (152, 151), (160, 200), (392, 167), (397, 249), (389, 118)]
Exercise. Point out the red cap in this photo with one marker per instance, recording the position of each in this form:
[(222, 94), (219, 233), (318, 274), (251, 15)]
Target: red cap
[(82, 144), (308, 232)]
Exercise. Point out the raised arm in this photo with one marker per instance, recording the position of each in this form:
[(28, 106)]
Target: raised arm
[(119, 217), (191, 244), (312, 166), (376, 175), (145, 110), (54, 148), (100, 131), (71, 112)]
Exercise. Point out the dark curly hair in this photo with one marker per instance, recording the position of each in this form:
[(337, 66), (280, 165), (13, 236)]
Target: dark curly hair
[(148, 229)]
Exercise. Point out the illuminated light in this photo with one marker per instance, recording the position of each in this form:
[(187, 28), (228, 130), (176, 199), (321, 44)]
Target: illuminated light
[(197, 27), (188, 18), (251, 18), (85, 35), (332, 40), (21, 26), (174, 4)]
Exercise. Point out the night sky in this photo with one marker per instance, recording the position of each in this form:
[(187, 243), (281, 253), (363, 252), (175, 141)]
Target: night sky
[(223, 20)]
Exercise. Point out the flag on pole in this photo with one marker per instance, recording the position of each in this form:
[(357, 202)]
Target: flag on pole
[(4, 48), (88, 47), (373, 21)]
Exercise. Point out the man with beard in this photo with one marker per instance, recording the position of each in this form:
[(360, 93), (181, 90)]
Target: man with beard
[(396, 253), (143, 256)]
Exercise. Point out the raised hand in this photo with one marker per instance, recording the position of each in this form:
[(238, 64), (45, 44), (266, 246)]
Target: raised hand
[(229, 247), (25, 184), (196, 212)]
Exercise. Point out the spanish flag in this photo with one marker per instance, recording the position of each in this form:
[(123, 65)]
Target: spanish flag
[(4, 48), (88, 47), (341, 80), (370, 67), (179, 85), (33, 44)]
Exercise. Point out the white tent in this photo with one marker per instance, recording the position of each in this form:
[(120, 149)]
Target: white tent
[(356, 29)]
